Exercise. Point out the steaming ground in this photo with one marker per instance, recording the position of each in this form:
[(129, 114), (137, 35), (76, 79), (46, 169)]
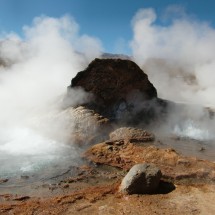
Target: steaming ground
[(35, 70), (34, 73), (177, 52), (193, 130), (25, 151)]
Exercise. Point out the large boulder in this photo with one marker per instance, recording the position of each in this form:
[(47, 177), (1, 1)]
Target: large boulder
[(119, 87), (141, 178)]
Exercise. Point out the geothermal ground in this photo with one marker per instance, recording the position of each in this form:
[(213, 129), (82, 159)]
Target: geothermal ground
[(187, 185), (120, 122)]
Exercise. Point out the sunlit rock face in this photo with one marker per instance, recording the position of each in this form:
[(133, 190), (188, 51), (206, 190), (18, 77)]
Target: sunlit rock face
[(120, 90), (84, 126)]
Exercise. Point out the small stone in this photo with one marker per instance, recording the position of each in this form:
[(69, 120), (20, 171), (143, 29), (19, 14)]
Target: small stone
[(21, 198), (3, 180), (66, 186), (24, 177), (202, 149), (141, 178), (183, 161)]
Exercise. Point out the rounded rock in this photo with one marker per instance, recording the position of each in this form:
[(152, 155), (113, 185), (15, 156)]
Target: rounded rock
[(141, 179)]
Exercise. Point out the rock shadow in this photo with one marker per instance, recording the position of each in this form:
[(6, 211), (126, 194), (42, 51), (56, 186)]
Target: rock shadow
[(165, 187)]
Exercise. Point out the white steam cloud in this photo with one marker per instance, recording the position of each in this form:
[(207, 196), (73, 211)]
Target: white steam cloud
[(178, 56), (177, 53), (34, 74)]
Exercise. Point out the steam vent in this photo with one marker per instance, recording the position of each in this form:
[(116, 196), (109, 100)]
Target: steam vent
[(120, 89)]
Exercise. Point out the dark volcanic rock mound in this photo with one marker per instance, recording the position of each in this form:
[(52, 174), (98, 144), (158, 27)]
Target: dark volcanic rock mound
[(121, 90), (114, 79)]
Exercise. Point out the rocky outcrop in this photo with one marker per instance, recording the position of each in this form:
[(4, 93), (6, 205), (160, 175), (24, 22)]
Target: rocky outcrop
[(89, 127), (141, 178), (83, 126), (120, 89)]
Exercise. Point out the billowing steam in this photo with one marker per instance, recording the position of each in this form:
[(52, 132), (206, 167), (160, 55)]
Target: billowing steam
[(179, 57), (34, 73), (177, 52)]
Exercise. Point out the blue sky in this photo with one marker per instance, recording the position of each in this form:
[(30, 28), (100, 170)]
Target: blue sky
[(109, 20)]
